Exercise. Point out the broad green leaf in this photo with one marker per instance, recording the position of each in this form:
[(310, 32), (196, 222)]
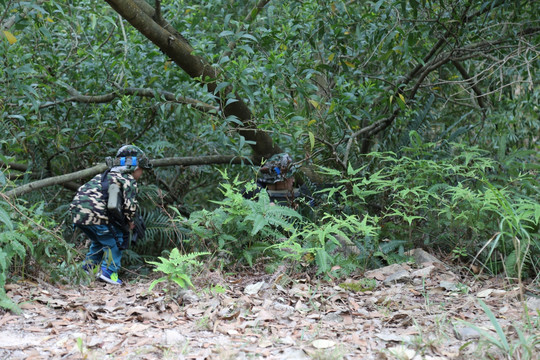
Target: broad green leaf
[(311, 140)]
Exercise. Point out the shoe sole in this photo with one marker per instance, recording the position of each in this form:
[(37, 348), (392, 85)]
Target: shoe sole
[(107, 280)]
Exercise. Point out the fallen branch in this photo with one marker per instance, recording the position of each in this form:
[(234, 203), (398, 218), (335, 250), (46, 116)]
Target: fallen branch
[(23, 168), (86, 173)]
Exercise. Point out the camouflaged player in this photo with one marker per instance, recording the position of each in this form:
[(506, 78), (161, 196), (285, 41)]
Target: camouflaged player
[(88, 206), (279, 168), (276, 176), (89, 212)]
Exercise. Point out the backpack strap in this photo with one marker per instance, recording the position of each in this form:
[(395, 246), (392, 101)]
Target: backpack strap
[(105, 186)]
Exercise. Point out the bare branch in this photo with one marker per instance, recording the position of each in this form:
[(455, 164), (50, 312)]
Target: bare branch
[(432, 62), (86, 173), (57, 180), (143, 92), (474, 86), (157, 15)]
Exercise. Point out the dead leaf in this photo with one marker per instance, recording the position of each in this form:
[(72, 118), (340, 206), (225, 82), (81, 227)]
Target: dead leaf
[(402, 352), (230, 316), (484, 293), (138, 329), (354, 304), (347, 319), (323, 344), (117, 347), (264, 315), (301, 307), (6, 318), (254, 288), (387, 336), (264, 343), (355, 338)]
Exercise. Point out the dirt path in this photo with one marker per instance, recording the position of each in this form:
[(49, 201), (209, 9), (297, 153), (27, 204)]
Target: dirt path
[(414, 316)]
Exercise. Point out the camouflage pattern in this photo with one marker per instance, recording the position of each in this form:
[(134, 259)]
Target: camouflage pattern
[(277, 168), (88, 206)]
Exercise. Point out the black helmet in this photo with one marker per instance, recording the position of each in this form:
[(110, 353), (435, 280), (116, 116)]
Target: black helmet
[(131, 155)]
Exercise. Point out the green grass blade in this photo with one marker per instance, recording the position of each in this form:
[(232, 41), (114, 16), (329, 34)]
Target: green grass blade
[(496, 324)]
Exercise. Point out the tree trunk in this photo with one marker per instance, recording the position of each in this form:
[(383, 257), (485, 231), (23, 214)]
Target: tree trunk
[(148, 22)]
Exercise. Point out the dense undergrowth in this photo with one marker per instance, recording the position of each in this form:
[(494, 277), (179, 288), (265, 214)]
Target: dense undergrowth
[(453, 199)]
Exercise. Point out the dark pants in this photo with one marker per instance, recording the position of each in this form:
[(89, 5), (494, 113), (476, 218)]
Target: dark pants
[(104, 247)]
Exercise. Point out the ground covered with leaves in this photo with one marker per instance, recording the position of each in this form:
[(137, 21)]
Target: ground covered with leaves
[(403, 311)]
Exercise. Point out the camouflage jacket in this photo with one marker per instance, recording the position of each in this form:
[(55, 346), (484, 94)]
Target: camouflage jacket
[(88, 206)]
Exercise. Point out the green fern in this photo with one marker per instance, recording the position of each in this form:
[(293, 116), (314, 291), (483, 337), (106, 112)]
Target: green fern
[(238, 226), (161, 233), (176, 269), (387, 247)]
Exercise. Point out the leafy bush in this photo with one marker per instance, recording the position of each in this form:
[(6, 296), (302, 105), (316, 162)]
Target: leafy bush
[(32, 246), (518, 237), (162, 233), (242, 228), (176, 268), (449, 197), (14, 245), (322, 242)]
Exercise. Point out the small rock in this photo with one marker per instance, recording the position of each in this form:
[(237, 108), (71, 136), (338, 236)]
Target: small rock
[(402, 275), (448, 285), (333, 317), (264, 343), (323, 344), (188, 296), (421, 256), (287, 340), (466, 333), (173, 337), (533, 304), (283, 307), (484, 293), (381, 273), (424, 272)]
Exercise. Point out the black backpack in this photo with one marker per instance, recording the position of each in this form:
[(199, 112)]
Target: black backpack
[(113, 205)]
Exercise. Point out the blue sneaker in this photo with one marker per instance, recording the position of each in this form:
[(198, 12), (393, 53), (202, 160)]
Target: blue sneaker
[(110, 277), (91, 269)]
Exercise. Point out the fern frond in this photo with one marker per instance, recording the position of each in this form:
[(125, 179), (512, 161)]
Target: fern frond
[(389, 246)]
